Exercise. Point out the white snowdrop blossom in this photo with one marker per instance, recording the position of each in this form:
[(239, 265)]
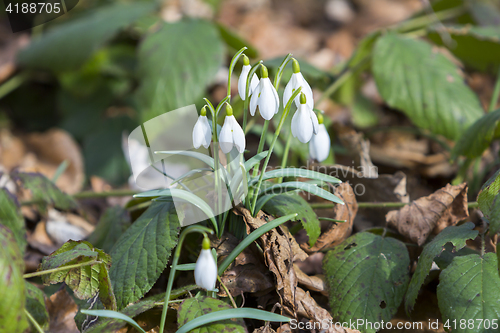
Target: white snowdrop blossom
[(296, 81), (202, 133), (265, 97), (231, 134), (319, 146), (304, 121), (205, 272), (242, 81)]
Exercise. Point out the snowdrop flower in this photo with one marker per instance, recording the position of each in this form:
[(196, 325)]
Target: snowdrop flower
[(242, 81), (265, 97), (205, 272), (231, 133), (296, 81), (202, 133), (319, 146), (304, 121)]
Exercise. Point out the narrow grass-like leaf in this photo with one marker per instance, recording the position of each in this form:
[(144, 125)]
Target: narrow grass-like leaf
[(199, 156), (115, 315), (296, 173), (254, 160), (311, 188)]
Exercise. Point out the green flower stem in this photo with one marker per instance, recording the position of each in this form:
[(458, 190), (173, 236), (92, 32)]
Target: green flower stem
[(227, 292), (340, 81), (286, 110), (285, 154), (377, 205), (423, 21), (231, 68), (279, 73), (33, 321), (60, 269), (175, 260), (496, 93), (261, 145)]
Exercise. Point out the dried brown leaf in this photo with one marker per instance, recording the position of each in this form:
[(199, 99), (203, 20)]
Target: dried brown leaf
[(279, 256), (443, 208), (264, 329), (316, 283), (62, 310)]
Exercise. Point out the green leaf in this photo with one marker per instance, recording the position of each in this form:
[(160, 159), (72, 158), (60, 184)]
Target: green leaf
[(11, 284), (469, 289), (454, 235), (176, 63), (424, 84), (107, 324), (367, 276), (11, 217), (35, 305), (288, 203), (230, 314), (311, 188), (364, 49), (193, 307), (111, 226), (44, 192), (478, 136), (489, 202), (114, 315), (69, 45), (252, 161), (85, 281), (235, 41), (142, 252), (477, 47), (296, 173)]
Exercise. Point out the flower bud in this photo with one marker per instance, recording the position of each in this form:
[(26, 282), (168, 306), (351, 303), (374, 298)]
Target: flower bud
[(205, 272)]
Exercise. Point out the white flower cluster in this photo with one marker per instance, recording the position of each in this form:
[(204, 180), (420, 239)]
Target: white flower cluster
[(305, 124)]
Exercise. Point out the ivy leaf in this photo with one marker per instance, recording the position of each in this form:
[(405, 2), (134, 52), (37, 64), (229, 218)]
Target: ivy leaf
[(478, 136), (469, 290), (489, 202), (85, 281), (477, 47), (35, 305), (193, 307), (424, 84), (10, 216), (176, 63), (290, 203), (44, 192), (454, 235), (111, 226), (11, 284), (367, 276), (142, 252), (70, 44)]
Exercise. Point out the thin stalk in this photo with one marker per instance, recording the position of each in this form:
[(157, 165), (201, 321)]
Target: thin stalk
[(175, 260), (422, 21), (286, 110), (231, 68), (13, 83), (33, 321), (377, 205), (496, 93), (227, 292), (261, 145), (59, 269), (285, 154), (339, 82), (90, 194)]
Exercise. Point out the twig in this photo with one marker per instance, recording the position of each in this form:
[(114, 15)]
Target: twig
[(377, 205), (227, 291), (59, 269)]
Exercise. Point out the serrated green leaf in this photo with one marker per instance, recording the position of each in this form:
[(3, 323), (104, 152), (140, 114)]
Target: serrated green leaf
[(478, 136), (11, 217), (35, 305), (367, 276), (489, 202), (176, 63), (424, 84), (142, 252), (68, 45), (449, 253), (452, 234), (111, 226), (288, 203), (12, 317), (44, 192), (85, 281), (477, 47), (470, 289), (193, 307)]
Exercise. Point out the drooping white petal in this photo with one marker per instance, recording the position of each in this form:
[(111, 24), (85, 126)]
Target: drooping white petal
[(302, 126), (277, 99), (238, 135), (267, 99), (254, 99), (306, 89), (242, 81), (253, 83), (226, 136), (319, 146), (205, 272), (289, 89), (202, 133), (314, 120)]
